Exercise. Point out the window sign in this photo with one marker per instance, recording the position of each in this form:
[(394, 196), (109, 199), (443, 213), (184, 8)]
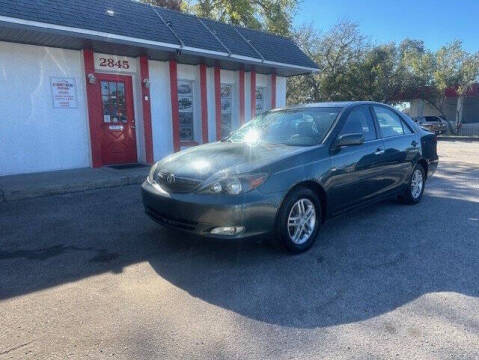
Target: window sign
[(185, 106), (114, 102), (260, 92), (226, 109), (64, 93)]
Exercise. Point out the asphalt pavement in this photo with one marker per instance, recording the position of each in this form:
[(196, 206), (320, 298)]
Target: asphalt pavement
[(88, 276)]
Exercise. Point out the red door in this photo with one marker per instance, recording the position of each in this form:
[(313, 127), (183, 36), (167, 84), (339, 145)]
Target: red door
[(118, 136)]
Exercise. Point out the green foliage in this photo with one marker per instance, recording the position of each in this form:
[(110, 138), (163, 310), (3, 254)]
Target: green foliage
[(170, 4), (352, 68), (270, 15)]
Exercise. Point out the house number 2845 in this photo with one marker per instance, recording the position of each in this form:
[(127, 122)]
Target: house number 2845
[(112, 63)]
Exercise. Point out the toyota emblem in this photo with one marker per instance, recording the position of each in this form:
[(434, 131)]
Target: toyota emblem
[(170, 178)]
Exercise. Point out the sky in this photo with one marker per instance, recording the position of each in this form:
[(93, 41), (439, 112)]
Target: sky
[(435, 22)]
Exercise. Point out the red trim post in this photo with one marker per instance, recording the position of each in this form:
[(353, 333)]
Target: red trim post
[(273, 91), (218, 102), (175, 112), (145, 91), (241, 97), (94, 103), (204, 103), (253, 94)]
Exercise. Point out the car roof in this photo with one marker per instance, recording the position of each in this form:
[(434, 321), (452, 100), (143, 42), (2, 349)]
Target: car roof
[(332, 104)]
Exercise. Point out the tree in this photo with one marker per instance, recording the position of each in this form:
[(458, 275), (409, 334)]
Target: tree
[(351, 68), (451, 67), (170, 4), (271, 15), (456, 69), (338, 54)]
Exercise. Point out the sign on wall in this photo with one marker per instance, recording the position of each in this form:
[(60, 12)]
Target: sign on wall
[(64, 92), (104, 62)]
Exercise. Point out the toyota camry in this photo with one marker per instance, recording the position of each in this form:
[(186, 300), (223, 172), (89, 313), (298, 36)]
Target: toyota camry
[(288, 170)]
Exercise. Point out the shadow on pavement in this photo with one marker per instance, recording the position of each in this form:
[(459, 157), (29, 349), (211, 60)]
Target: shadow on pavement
[(364, 264)]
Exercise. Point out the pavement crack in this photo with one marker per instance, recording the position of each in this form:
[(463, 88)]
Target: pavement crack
[(15, 348)]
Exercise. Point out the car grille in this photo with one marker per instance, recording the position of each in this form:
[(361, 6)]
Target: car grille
[(178, 185), (168, 220)]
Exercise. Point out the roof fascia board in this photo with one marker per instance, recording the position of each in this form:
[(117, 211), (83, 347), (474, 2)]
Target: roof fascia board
[(99, 35), (290, 66)]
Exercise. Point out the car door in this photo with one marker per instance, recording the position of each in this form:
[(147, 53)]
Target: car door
[(357, 169), (400, 147)]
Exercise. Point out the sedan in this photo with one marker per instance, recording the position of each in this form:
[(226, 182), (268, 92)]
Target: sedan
[(435, 124), (288, 170)]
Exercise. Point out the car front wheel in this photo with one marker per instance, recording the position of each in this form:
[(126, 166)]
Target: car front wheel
[(299, 220)]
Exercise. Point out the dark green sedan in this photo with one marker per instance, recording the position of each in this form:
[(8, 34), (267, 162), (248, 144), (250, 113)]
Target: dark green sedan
[(288, 170)]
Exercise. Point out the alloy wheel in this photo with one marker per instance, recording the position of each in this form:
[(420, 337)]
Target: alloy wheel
[(417, 184), (301, 221)]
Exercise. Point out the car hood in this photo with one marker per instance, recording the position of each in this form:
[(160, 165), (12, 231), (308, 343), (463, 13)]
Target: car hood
[(203, 161)]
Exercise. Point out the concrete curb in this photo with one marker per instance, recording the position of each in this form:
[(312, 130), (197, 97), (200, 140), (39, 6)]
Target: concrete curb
[(29, 193), (458, 138)]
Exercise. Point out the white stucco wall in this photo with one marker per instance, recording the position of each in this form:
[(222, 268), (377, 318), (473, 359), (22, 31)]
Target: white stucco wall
[(34, 136), (247, 96), (210, 90), (280, 91), (160, 102)]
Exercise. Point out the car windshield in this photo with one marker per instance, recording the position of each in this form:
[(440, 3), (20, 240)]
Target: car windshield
[(296, 127)]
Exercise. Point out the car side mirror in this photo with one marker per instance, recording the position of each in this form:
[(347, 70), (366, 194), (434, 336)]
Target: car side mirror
[(349, 140)]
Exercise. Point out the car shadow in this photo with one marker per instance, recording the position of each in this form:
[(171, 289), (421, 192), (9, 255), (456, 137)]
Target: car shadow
[(363, 265)]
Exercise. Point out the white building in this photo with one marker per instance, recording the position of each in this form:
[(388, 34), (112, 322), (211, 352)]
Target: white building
[(96, 82)]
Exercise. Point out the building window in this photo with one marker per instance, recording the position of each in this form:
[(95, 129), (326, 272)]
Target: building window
[(226, 109), (260, 93), (185, 106)]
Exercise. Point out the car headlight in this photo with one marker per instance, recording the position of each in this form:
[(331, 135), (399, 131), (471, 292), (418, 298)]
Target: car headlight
[(233, 185), (151, 175)]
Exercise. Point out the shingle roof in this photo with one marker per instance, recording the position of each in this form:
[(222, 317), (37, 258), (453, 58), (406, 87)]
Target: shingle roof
[(140, 21)]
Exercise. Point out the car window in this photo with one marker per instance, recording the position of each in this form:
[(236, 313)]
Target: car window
[(360, 121), (407, 130), (295, 127), (389, 122)]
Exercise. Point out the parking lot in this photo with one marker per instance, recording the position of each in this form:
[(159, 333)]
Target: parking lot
[(88, 275)]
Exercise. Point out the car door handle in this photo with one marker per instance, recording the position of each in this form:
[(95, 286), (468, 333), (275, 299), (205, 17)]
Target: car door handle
[(379, 151), (414, 143)]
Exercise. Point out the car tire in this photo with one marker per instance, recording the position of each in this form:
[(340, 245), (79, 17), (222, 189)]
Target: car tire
[(298, 220), (413, 193)]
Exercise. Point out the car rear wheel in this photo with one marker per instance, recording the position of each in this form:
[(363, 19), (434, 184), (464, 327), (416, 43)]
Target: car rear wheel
[(298, 220), (415, 189)]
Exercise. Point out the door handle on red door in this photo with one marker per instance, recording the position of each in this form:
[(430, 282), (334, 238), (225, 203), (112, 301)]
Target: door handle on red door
[(379, 151)]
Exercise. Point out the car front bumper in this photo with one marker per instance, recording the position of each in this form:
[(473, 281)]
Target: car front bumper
[(200, 213)]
